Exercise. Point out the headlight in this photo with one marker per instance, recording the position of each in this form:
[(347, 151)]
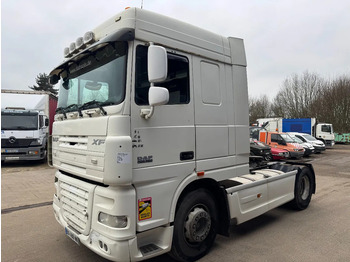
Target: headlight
[(113, 221), (36, 142)]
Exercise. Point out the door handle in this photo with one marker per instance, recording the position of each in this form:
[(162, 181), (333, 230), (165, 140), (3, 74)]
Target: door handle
[(188, 155)]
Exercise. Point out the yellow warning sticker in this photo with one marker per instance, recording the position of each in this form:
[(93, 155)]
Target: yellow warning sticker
[(145, 208)]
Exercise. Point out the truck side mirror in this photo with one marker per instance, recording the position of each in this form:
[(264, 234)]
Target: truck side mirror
[(53, 79), (47, 122), (157, 64), (157, 67), (158, 96)]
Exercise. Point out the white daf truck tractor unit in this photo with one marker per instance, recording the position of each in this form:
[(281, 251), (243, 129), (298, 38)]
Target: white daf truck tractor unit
[(26, 121), (151, 141)]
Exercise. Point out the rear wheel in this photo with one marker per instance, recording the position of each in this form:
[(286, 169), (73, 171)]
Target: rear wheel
[(303, 190), (195, 226)]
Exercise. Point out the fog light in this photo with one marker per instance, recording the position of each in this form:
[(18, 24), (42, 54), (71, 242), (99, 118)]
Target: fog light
[(113, 221)]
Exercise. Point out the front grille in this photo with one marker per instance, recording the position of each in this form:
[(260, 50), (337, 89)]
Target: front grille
[(5, 143), (75, 202), (328, 142)]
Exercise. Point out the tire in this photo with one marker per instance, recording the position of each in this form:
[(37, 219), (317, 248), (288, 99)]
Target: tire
[(268, 157), (195, 226), (304, 184), (253, 164)]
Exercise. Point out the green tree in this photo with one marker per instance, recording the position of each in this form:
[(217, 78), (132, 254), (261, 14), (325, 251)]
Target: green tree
[(297, 96), (43, 84), (334, 104)]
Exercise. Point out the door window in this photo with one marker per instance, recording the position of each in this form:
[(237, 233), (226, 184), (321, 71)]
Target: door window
[(275, 138), (177, 81)]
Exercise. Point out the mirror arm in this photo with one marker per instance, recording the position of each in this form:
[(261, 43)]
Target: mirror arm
[(147, 113)]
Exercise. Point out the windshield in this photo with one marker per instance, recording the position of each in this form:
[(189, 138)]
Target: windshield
[(311, 138), (16, 121), (298, 140), (96, 80), (326, 128), (287, 138)]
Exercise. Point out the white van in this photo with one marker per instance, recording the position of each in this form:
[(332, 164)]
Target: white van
[(309, 148), (317, 144)]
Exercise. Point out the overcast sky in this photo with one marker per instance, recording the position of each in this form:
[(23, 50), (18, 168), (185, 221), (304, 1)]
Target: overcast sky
[(281, 37)]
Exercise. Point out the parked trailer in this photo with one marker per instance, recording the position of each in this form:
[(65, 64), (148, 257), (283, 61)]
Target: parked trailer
[(26, 123), (151, 141)]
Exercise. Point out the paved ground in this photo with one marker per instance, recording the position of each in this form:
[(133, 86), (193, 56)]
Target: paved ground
[(319, 233), (26, 184)]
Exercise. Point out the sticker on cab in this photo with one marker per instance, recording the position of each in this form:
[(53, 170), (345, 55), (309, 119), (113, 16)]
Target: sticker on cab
[(123, 158), (145, 208)]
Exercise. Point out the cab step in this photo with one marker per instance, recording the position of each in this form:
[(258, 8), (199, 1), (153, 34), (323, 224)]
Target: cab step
[(150, 249)]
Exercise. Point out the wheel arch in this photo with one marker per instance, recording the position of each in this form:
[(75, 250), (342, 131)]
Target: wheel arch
[(297, 166), (219, 196)]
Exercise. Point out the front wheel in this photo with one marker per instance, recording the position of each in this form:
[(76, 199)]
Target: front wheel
[(304, 184), (195, 226)]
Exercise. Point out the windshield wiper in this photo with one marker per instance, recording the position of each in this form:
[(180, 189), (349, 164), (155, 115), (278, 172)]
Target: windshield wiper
[(60, 110), (74, 107), (89, 104)]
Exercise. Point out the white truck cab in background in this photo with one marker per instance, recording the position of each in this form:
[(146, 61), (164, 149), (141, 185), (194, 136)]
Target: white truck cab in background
[(26, 121), (151, 141)]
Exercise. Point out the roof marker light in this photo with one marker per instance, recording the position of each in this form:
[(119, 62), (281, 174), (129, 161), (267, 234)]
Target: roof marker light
[(79, 42), (72, 47), (89, 37), (66, 52)]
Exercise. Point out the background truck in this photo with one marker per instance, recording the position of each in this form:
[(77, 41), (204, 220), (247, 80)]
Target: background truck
[(26, 122), (151, 141), (322, 131)]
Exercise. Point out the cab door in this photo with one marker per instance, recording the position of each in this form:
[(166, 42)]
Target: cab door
[(278, 142), (163, 146)]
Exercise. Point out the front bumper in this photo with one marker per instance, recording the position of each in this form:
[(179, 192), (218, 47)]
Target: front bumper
[(110, 249), (116, 244), (319, 149), (28, 153), (308, 151), (329, 143), (296, 154)]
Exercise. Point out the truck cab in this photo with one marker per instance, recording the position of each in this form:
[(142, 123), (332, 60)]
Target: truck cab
[(324, 132), (282, 141), (23, 134)]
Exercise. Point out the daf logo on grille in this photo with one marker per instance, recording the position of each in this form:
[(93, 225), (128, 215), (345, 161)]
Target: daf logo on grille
[(12, 139)]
